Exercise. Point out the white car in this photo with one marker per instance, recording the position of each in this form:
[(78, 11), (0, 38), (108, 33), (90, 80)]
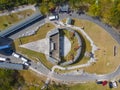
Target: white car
[(114, 84), (27, 64), (54, 17), (16, 55), (24, 59)]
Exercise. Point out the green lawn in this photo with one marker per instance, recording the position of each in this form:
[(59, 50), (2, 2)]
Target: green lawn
[(8, 20)]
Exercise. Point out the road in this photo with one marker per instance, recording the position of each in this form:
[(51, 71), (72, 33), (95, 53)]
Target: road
[(83, 77)]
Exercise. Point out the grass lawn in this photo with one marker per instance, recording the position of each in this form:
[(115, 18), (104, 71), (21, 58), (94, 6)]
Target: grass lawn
[(41, 33), (32, 54), (92, 86), (32, 79), (8, 20), (105, 43)]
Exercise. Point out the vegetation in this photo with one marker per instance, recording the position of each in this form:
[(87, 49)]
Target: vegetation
[(89, 86), (108, 10), (10, 79), (104, 55), (10, 4), (40, 34), (8, 20), (33, 81), (86, 47), (74, 44)]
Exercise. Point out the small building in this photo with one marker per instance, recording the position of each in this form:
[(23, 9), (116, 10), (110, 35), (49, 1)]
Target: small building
[(69, 21)]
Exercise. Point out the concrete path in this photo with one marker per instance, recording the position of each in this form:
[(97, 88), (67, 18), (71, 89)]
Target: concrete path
[(38, 46)]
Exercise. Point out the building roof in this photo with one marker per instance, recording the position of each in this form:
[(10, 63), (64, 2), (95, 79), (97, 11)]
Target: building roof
[(11, 66)]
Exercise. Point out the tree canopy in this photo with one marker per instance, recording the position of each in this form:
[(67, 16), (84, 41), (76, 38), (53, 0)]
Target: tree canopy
[(10, 79)]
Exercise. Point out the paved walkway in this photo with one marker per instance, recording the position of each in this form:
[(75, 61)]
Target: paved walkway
[(38, 46)]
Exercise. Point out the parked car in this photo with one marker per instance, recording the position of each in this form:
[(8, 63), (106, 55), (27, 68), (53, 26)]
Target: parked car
[(54, 17), (16, 55), (24, 59), (4, 59), (113, 84), (99, 82)]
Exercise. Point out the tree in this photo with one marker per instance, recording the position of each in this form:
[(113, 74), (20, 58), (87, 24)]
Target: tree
[(115, 17), (51, 5), (44, 8), (111, 13), (94, 10), (10, 79), (75, 3)]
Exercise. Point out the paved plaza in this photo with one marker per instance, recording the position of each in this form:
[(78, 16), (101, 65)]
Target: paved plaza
[(38, 46)]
